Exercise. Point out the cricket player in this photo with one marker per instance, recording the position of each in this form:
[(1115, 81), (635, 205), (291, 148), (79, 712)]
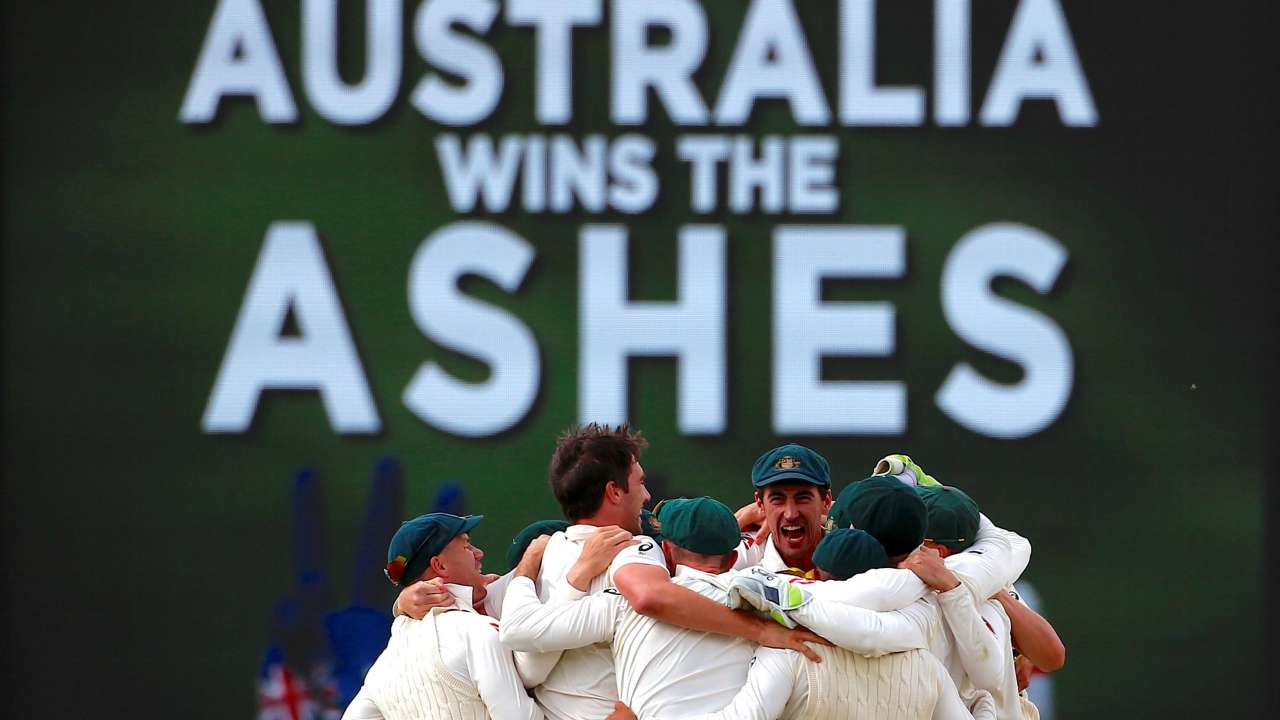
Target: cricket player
[(449, 665), (953, 520), (792, 496)]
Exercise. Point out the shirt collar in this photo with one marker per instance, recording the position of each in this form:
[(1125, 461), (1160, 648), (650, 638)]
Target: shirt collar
[(772, 560), (461, 596), (578, 533)]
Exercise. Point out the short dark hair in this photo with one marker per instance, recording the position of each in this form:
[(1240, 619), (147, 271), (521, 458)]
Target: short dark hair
[(587, 458)]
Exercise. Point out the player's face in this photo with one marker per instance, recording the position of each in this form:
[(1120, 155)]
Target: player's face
[(635, 498), (461, 561), (795, 514)]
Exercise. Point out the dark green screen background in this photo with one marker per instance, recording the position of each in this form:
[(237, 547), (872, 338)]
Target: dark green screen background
[(142, 557)]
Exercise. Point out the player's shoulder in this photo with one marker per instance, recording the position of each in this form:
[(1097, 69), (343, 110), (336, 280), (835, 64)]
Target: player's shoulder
[(474, 625)]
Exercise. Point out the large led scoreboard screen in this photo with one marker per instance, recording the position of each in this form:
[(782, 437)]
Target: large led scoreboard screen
[(278, 274)]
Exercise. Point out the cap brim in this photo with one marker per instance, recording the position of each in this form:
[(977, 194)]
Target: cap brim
[(784, 476), (468, 523)]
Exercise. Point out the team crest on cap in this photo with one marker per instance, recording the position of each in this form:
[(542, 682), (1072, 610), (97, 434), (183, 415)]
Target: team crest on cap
[(395, 569), (786, 462)]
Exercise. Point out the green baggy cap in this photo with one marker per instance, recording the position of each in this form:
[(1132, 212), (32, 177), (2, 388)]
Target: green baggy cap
[(535, 530), (702, 525), (952, 516), (846, 552), (796, 463), (420, 539), (885, 507)]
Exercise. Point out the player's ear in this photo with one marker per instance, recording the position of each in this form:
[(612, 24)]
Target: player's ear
[(612, 492), (729, 560), (759, 499), (437, 566), (827, 499)]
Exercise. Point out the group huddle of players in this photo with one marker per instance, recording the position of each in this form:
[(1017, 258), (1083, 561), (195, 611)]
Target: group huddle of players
[(891, 600)]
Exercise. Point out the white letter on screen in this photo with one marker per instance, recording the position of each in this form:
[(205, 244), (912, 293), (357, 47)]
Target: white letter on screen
[(462, 55), (805, 329), (691, 329), (668, 69), (477, 172), (463, 324), (1040, 30), (554, 23), (1005, 329), (772, 60), (291, 274), (861, 102), (238, 58), (335, 100), (951, 75)]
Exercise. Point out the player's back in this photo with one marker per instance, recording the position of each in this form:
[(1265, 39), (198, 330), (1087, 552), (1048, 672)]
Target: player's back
[(848, 686), (667, 671), (410, 679)]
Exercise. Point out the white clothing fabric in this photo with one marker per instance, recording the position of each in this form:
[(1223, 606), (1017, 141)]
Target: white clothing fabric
[(448, 666), (844, 686), (663, 671), (578, 683)]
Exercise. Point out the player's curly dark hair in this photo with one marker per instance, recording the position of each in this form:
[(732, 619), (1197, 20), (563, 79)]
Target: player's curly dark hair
[(586, 459)]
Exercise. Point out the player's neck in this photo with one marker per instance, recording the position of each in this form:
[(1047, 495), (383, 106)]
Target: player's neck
[(801, 560)]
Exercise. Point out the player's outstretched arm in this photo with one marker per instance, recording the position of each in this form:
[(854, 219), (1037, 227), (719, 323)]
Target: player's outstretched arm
[(1033, 635), (497, 682), (651, 592), (862, 631)]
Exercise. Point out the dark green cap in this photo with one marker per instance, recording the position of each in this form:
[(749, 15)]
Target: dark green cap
[(882, 505), (703, 525), (796, 463), (420, 539), (952, 516), (535, 530), (845, 552)]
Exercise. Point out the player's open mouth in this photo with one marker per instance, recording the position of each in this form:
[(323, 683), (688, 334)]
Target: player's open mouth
[(792, 533)]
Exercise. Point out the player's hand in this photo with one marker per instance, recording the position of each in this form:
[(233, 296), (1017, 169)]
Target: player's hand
[(597, 553), (775, 636), (1023, 667), (418, 599), (621, 712), (531, 561), (927, 564), (749, 516)]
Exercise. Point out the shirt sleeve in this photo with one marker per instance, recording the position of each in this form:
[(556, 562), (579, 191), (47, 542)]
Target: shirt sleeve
[(647, 552), (770, 684), (976, 643), (493, 670), (531, 626), (362, 707), (949, 706), (749, 552), (995, 560), (879, 589), (863, 631), (495, 593)]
